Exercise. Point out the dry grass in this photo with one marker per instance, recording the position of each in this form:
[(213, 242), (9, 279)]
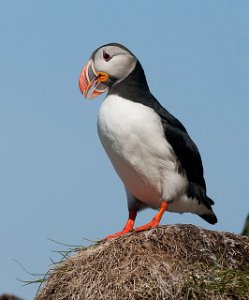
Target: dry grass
[(169, 262)]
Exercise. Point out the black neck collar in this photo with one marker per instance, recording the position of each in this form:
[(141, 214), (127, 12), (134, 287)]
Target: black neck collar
[(133, 87)]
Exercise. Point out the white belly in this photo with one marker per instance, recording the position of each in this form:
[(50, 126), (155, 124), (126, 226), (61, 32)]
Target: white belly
[(133, 137)]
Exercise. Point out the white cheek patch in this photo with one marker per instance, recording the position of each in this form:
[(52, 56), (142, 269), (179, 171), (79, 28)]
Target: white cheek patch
[(119, 66)]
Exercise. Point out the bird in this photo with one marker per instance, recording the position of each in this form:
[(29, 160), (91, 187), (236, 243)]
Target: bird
[(150, 149)]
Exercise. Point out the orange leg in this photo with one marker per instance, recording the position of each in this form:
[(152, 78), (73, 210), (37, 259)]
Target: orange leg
[(156, 220), (128, 226)]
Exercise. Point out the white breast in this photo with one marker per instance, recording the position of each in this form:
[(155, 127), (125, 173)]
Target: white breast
[(133, 137)]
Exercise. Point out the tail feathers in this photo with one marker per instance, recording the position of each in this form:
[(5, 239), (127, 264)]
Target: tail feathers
[(197, 192), (209, 200), (210, 217)]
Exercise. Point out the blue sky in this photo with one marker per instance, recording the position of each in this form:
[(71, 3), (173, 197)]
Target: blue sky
[(56, 180)]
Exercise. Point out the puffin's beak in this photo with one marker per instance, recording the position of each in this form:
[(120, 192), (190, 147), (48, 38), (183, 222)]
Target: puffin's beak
[(89, 78)]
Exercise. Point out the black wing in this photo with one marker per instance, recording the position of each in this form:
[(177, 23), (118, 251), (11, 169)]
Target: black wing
[(189, 157), (187, 153)]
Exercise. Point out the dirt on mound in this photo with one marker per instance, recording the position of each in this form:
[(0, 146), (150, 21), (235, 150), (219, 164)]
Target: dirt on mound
[(8, 297), (168, 262)]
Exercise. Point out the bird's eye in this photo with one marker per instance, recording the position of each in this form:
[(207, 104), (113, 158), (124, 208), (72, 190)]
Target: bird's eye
[(106, 56)]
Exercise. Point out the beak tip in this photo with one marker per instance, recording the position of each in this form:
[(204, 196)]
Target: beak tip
[(81, 86)]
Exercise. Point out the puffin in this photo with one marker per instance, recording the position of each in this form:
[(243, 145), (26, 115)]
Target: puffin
[(150, 149)]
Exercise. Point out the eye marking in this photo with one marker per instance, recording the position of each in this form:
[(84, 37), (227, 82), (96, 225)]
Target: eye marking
[(106, 56)]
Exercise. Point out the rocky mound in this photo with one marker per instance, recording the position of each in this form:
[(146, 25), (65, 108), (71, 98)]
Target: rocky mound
[(168, 262)]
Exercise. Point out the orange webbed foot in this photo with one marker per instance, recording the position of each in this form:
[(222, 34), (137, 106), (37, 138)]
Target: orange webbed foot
[(128, 226), (117, 234), (156, 220), (147, 226)]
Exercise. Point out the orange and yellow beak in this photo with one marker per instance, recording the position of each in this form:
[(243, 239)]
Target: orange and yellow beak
[(92, 80)]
